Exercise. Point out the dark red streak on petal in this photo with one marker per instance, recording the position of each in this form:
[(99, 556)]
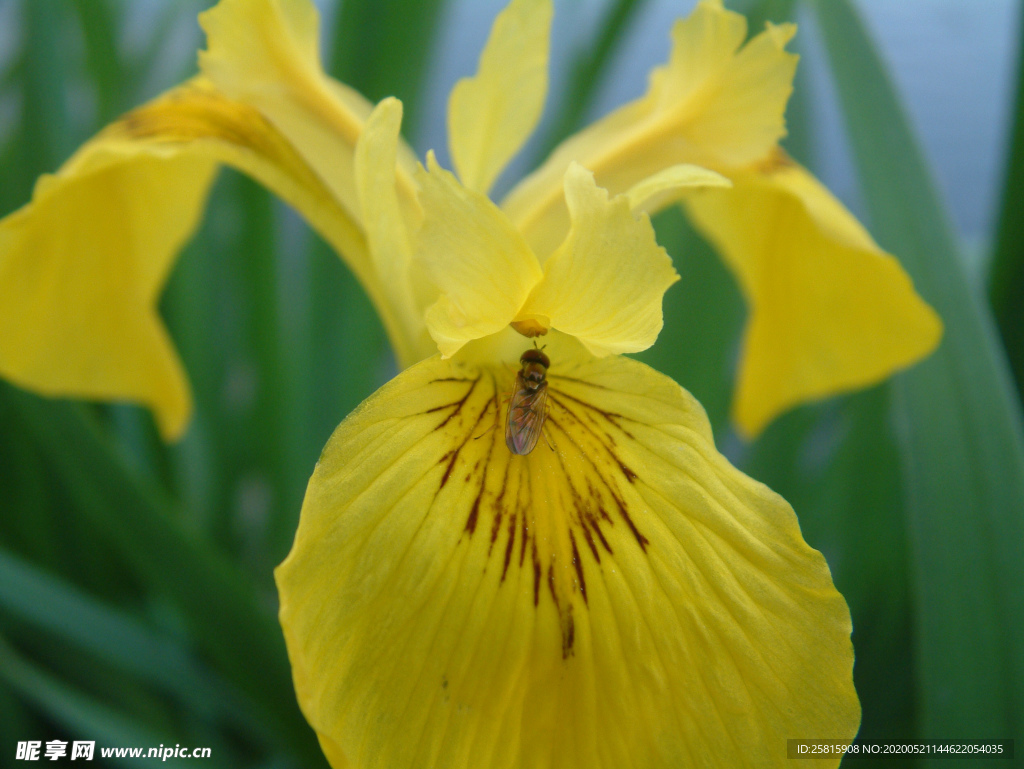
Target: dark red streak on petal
[(579, 567)]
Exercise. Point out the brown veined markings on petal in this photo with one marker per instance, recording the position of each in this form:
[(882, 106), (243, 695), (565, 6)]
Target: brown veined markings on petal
[(554, 512)]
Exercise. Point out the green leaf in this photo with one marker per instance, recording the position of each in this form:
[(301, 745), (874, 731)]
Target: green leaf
[(246, 456), (704, 313), (198, 304), (381, 48), (40, 139), (1006, 273), (63, 610), (588, 70), (16, 720), (838, 465), (82, 716), (238, 634), (102, 58), (46, 118), (758, 12), (28, 522), (270, 437), (959, 424)]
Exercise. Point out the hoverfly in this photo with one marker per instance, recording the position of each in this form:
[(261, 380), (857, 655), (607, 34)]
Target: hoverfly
[(528, 406)]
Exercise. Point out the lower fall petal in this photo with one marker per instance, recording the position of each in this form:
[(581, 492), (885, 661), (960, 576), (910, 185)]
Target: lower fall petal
[(829, 310), (619, 597), (80, 270), (83, 264)]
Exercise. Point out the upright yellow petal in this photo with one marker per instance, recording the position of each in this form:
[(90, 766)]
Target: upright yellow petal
[(266, 53), (736, 97), (82, 265), (605, 283), (621, 598), (474, 255), (714, 104), (491, 114), (657, 191), (829, 310), (387, 230)]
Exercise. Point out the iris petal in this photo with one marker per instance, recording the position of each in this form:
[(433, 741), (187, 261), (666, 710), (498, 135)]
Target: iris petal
[(266, 53), (657, 191), (621, 596), (80, 268), (605, 283), (387, 230), (474, 255), (829, 310), (492, 114), (715, 103), (82, 265)]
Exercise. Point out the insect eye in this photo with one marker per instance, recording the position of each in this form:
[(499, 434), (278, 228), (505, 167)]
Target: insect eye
[(535, 357)]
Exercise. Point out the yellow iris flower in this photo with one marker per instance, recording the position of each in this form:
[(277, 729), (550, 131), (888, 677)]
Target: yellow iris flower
[(619, 596)]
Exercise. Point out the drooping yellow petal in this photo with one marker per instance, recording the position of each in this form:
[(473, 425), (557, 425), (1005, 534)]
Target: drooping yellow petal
[(491, 114), (266, 53), (82, 265), (657, 191), (714, 104), (621, 598), (387, 231), (736, 96), (829, 310), (80, 269), (605, 283), (474, 255)]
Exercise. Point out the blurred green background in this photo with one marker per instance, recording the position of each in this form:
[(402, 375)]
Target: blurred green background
[(136, 597)]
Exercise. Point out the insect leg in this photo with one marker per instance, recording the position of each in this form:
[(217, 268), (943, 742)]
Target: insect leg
[(481, 435)]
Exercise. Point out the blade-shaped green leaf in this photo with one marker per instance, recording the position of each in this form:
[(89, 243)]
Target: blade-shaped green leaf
[(587, 72), (63, 610), (102, 57), (82, 716), (381, 48), (760, 11), (241, 638), (703, 317), (959, 424), (40, 138), (1006, 274), (16, 720)]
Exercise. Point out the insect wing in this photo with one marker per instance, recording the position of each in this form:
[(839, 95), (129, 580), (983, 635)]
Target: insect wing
[(526, 412)]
